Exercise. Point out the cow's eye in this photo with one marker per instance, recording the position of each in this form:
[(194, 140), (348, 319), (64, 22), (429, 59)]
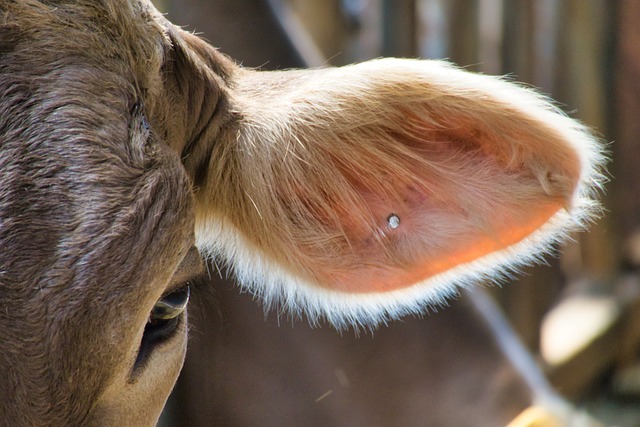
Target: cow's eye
[(170, 306), (162, 323)]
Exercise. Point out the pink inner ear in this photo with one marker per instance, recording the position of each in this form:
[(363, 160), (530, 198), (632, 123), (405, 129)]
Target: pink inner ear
[(380, 273), (437, 203)]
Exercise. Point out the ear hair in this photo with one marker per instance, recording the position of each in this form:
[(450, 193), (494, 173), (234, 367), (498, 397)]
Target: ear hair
[(484, 176)]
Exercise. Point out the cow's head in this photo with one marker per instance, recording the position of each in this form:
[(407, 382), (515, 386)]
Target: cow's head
[(358, 194)]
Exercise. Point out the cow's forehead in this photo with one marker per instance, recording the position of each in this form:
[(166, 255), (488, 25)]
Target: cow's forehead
[(124, 38), (78, 84)]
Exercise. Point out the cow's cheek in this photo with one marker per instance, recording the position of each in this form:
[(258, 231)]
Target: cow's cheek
[(139, 401)]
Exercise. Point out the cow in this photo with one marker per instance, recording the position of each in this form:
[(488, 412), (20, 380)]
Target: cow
[(130, 149)]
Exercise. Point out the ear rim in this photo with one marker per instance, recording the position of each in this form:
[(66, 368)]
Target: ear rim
[(282, 290)]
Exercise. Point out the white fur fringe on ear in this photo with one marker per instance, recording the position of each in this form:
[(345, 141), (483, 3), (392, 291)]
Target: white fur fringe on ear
[(364, 193)]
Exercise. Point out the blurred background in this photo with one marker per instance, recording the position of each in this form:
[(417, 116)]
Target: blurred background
[(578, 316)]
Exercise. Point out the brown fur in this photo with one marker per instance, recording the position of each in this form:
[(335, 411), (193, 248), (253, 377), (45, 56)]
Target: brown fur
[(94, 217), (122, 136)]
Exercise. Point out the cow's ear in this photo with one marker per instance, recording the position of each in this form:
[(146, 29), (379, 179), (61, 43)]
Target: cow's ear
[(366, 192)]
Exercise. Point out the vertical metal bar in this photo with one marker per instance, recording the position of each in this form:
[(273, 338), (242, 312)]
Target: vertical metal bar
[(490, 35), (547, 23), (433, 30)]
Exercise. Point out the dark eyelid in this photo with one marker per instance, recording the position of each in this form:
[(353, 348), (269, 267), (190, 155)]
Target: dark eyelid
[(191, 268)]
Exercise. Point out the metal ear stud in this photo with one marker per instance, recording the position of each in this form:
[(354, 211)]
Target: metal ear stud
[(393, 221)]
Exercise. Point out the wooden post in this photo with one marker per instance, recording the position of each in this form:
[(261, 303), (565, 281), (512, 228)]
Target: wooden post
[(626, 148), (253, 19), (399, 28), (464, 33), (517, 49)]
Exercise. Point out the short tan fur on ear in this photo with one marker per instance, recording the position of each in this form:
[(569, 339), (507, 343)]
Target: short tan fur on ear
[(370, 191)]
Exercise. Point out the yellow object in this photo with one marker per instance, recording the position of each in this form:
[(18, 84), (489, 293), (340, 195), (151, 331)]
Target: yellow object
[(535, 416)]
